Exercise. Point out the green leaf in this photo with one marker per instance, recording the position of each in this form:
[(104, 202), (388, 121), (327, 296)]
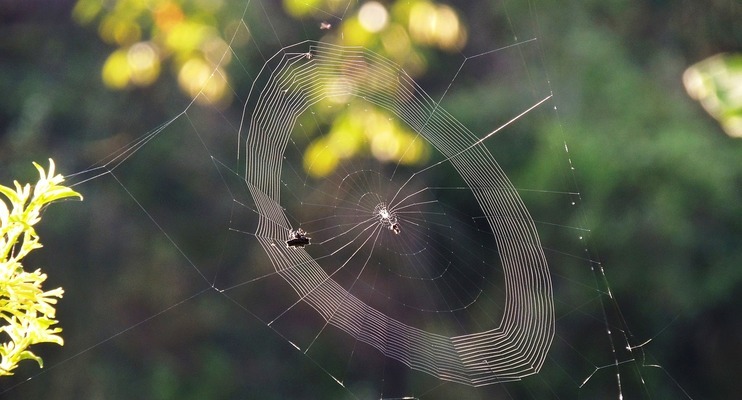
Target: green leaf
[(27, 355)]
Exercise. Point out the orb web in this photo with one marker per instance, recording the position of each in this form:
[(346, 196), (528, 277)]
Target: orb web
[(308, 72)]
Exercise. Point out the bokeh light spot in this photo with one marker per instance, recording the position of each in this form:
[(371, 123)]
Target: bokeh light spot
[(436, 25), (85, 12), (201, 80), (144, 63), (299, 8), (373, 17), (116, 71), (118, 31), (167, 15), (422, 22), (354, 34), (187, 36), (319, 161), (216, 51), (384, 145), (450, 34)]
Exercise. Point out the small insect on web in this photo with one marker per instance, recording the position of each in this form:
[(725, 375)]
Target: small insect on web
[(298, 238)]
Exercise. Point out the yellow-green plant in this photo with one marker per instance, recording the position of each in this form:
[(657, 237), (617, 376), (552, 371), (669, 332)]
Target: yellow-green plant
[(716, 83), (27, 311)]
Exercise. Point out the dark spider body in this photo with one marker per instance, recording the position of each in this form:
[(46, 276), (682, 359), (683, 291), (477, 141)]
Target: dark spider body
[(298, 238)]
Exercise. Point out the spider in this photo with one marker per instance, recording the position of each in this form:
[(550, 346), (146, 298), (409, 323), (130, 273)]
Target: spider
[(387, 219), (297, 238)]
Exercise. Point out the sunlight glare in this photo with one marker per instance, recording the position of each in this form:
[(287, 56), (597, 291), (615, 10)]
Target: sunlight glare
[(373, 17), (144, 63), (200, 79)]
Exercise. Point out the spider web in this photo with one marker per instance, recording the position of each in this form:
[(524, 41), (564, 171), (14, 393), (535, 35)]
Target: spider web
[(454, 277), (478, 358)]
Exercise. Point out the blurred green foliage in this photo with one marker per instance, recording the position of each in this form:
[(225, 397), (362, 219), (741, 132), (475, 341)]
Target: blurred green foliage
[(147, 33), (716, 83), (661, 182), (403, 32)]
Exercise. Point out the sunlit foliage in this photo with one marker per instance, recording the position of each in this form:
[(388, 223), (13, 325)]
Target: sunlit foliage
[(147, 33), (716, 82), (401, 31), (363, 131), (26, 309)]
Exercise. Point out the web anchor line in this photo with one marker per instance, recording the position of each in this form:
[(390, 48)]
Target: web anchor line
[(473, 145)]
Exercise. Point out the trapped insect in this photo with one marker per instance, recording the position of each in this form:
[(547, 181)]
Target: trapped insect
[(297, 238)]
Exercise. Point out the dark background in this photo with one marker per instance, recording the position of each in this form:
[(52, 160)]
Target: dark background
[(660, 184)]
